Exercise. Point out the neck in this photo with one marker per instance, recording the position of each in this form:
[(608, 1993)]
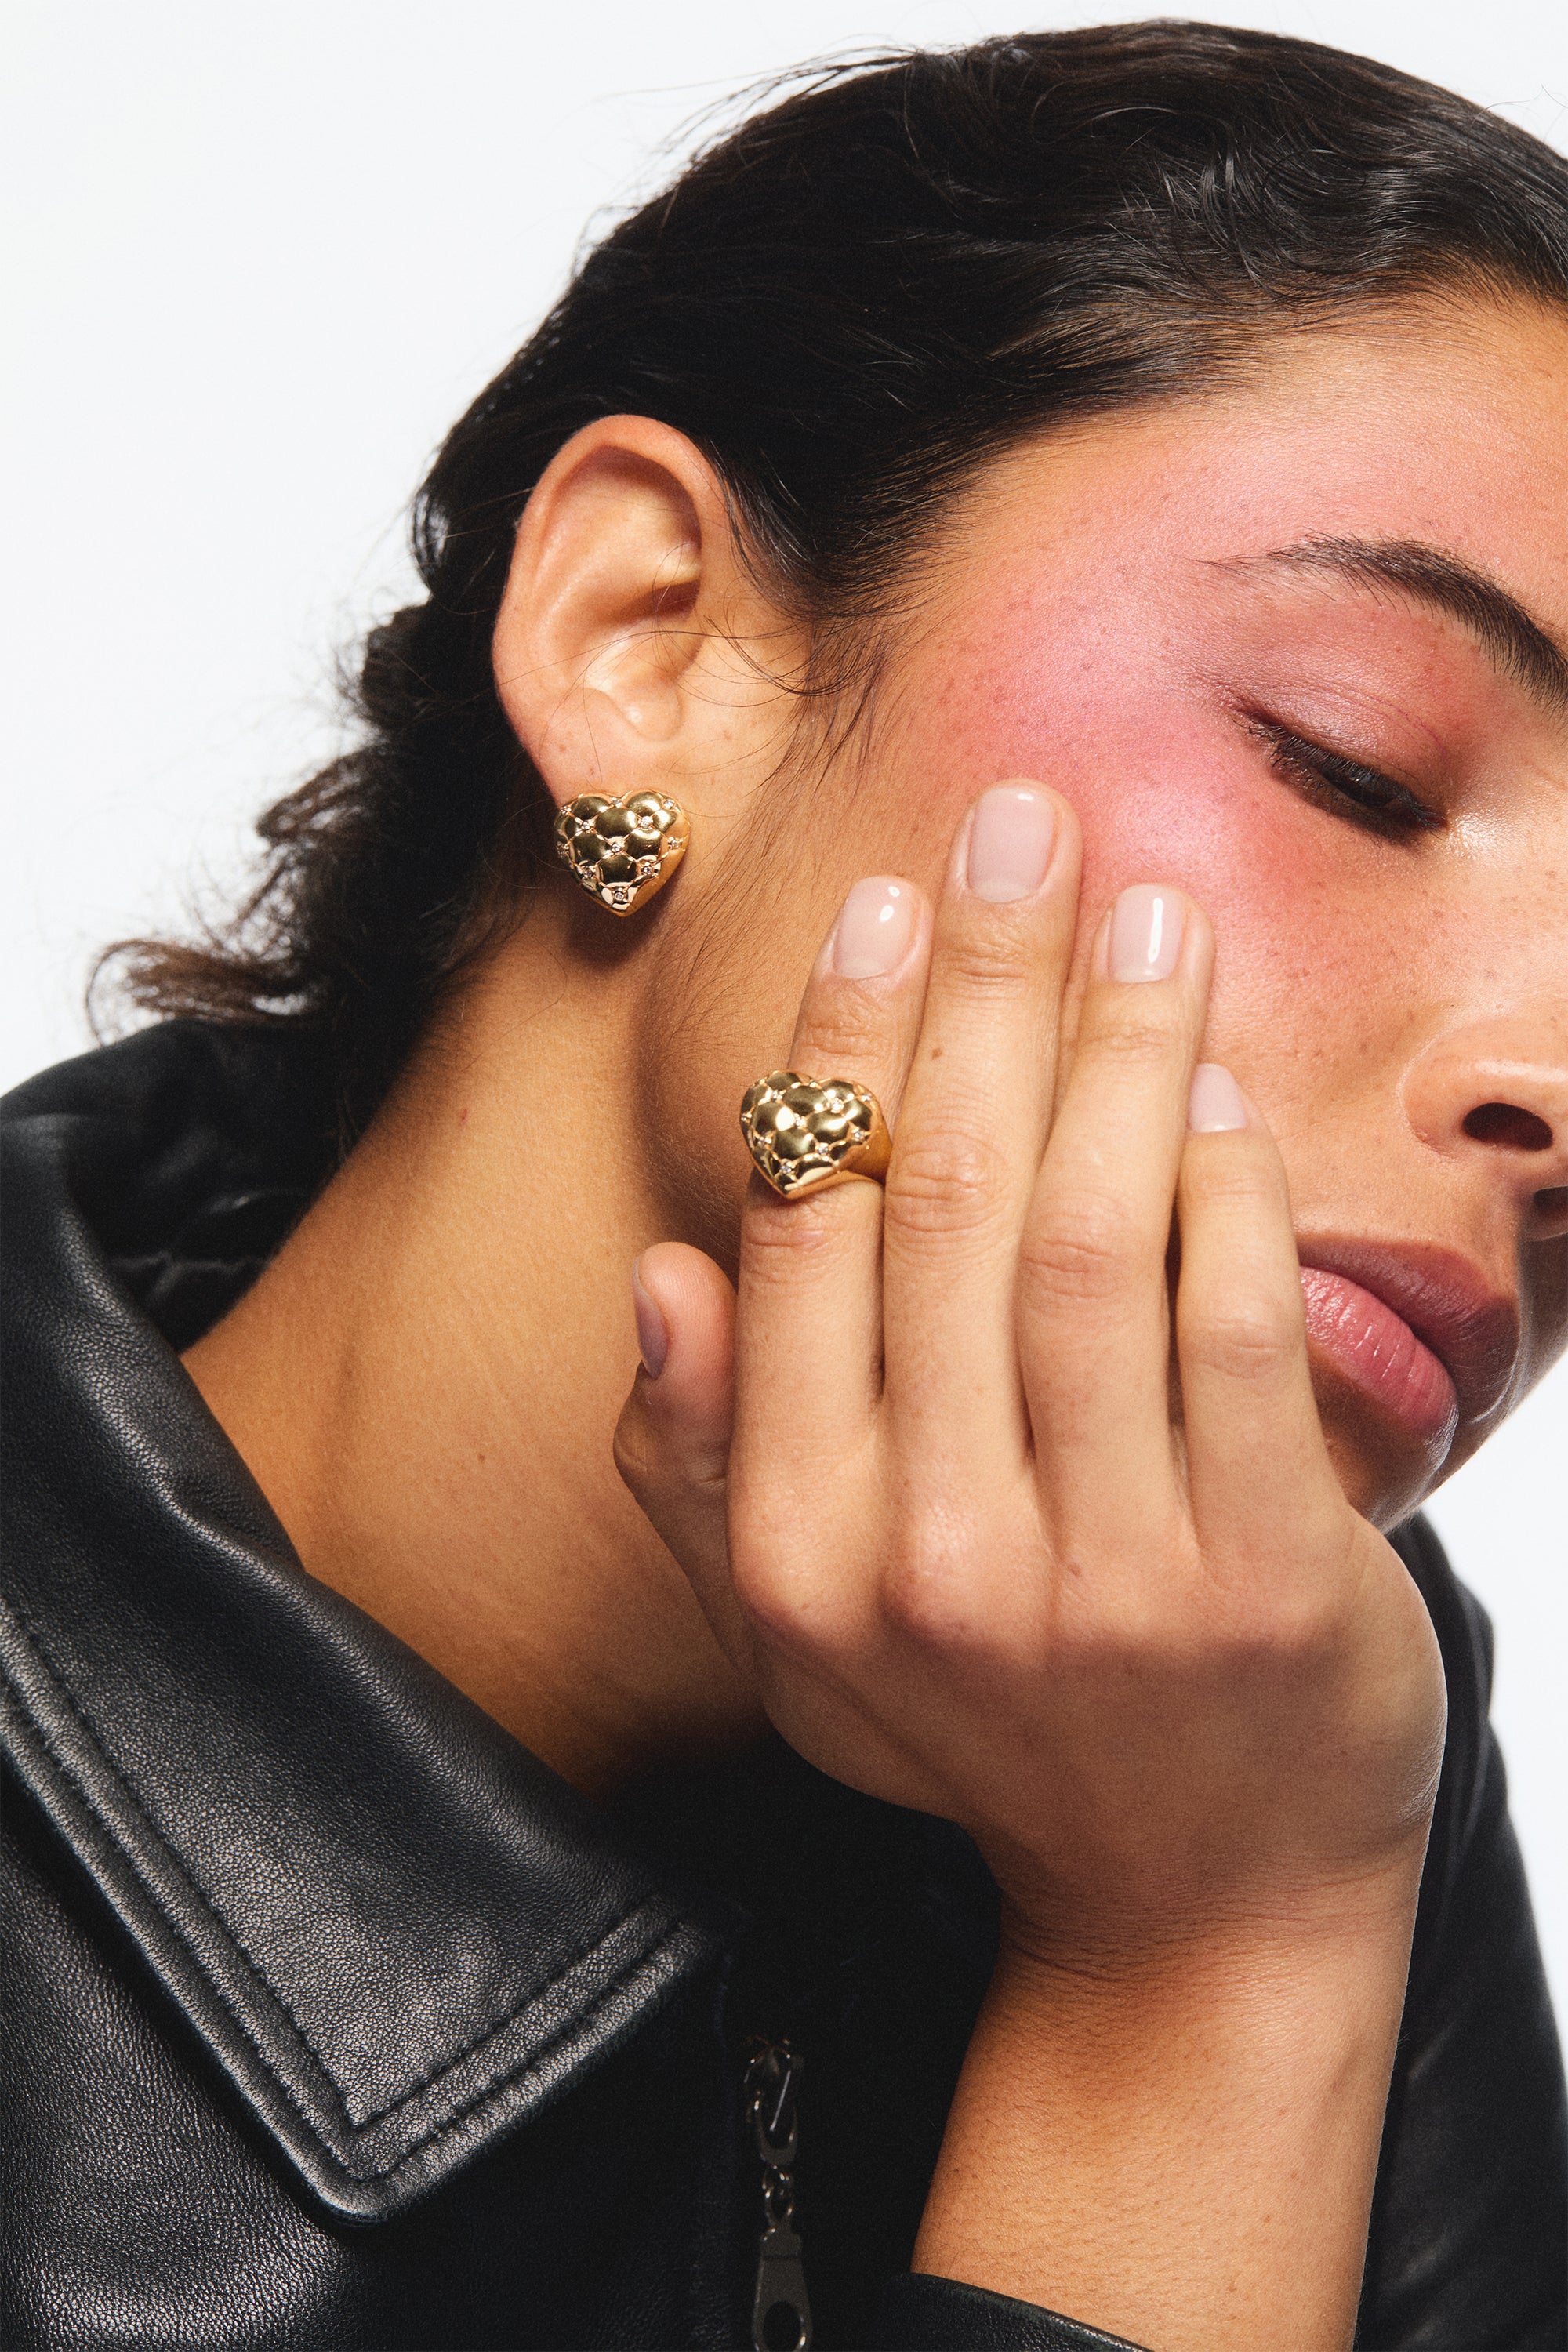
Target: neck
[(425, 1380)]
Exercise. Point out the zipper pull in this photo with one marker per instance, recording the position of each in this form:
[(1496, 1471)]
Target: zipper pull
[(781, 2308)]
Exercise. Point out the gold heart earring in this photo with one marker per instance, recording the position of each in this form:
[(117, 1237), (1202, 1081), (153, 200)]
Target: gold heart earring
[(622, 851)]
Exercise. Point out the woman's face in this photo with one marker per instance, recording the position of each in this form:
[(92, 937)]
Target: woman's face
[(1274, 647)]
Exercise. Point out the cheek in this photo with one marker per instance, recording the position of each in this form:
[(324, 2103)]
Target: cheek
[(1170, 789)]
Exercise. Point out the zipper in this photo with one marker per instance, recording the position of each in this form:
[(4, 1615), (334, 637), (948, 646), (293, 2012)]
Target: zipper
[(781, 2308)]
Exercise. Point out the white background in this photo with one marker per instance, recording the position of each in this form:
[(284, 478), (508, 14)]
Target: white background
[(263, 258)]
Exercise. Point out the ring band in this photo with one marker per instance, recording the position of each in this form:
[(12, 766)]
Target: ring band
[(807, 1133)]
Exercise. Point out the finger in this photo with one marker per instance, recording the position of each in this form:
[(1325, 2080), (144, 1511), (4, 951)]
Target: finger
[(972, 1130), (672, 1441), (1093, 1317), (808, 1349), (1241, 1337)]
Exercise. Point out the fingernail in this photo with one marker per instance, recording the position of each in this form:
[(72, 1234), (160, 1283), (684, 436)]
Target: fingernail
[(1214, 1104), (1146, 932), (653, 1339), (1010, 837), (875, 930)]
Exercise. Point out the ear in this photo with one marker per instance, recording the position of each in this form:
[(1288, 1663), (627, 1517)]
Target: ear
[(633, 652)]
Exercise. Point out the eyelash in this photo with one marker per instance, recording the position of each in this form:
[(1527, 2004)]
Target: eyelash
[(1345, 788)]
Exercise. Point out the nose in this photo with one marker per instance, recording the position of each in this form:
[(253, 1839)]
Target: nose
[(1491, 1094)]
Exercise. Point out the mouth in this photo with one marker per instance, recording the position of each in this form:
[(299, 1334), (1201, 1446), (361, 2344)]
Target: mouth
[(1416, 1329)]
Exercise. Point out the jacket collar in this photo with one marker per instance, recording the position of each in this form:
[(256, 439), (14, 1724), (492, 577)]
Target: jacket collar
[(396, 1932)]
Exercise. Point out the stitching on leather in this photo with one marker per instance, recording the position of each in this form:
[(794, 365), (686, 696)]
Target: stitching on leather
[(352, 2129), (69, 1773), (251, 1968), (481, 2098), (490, 2033), (492, 2092)]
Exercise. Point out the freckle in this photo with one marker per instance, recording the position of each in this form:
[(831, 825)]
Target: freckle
[(936, 1053)]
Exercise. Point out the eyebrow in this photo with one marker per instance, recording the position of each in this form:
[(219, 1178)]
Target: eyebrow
[(1517, 644)]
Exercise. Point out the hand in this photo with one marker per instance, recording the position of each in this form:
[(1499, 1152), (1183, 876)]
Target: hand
[(998, 1534)]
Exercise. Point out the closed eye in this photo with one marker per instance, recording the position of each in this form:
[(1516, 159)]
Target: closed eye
[(1344, 787)]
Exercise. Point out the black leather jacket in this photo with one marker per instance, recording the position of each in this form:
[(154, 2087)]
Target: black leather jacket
[(337, 2020)]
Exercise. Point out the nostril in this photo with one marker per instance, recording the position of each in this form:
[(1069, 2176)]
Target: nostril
[(1505, 1123)]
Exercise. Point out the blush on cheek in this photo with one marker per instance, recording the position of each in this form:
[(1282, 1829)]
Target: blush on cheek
[(1165, 789), (1107, 703)]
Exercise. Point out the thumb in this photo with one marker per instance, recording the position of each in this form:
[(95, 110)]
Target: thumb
[(672, 1441)]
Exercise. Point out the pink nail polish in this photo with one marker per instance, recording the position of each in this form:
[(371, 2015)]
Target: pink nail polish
[(653, 1337), (1146, 932), (1010, 837), (1215, 1107), (875, 930)]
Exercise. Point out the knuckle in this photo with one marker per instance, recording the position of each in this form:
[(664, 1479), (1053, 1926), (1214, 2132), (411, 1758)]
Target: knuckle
[(777, 1571), (783, 1240), (1209, 1636), (844, 1035), (767, 1608), (942, 1183), (927, 1596), (1083, 1250), (1293, 1616), (1241, 1339), (1141, 1035), (1236, 1177), (767, 1592), (985, 963), (1290, 1635)]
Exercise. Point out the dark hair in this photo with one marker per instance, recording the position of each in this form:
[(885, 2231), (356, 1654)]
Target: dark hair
[(847, 304)]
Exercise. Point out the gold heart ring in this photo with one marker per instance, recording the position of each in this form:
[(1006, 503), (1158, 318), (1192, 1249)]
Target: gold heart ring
[(622, 851), (807, 1133)]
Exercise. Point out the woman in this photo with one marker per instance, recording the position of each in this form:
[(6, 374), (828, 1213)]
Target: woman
[(1067, 537)]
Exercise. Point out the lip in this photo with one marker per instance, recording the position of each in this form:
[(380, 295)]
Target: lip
[(1417, 1328)]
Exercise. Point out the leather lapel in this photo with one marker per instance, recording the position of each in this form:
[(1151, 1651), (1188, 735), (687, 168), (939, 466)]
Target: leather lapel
[(397, 1933)]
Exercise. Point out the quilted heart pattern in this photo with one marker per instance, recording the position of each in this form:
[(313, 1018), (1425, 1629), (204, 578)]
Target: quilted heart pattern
[(805, 1132), (621, 851)]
